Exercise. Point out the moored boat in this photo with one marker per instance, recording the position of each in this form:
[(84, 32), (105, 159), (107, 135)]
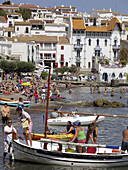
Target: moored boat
[(85, 120), (12, 104), (105, 156), (36, 136)]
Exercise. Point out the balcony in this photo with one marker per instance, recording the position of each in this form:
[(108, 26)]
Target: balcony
[(78, 46), (78, 59), (116, 47)]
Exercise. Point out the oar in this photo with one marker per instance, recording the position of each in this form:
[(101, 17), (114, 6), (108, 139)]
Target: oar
[(89, 114)]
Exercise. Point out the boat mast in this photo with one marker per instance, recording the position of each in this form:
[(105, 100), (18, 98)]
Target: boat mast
[(46, 118)]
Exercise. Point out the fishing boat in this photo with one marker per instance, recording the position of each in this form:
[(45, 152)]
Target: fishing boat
[(65, 137), (104, 156), (12, 104), (84, 120)]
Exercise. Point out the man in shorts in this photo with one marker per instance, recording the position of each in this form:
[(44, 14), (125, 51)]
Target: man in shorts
[(5, 112), (8, 131), (25, 115), (124, 145)]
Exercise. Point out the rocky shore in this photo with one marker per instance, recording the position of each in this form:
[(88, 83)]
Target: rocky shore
[(96, 103)]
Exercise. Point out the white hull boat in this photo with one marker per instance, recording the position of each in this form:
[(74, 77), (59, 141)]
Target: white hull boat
[(85, 120), (104, 157)]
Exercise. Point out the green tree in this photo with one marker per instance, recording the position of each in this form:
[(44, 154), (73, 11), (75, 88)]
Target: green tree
[(4, 66), (24, 67), (123, 56), (26, 13), (7, 2), (73, 69), (2, 12), (57, 70), (44, 75)]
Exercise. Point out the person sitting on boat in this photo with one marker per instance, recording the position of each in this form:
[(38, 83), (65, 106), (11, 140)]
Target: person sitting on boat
[(124, 145), (26, 131), (48, 131), (8, 131), (92, 130), (70, 128), (79, 134)]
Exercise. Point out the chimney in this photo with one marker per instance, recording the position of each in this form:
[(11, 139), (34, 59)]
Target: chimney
[(110, 10)]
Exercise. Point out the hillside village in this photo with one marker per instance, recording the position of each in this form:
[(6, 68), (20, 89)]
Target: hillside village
[(62, 36)]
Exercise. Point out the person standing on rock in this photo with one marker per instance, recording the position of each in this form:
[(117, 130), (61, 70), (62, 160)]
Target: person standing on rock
[(92, 130)]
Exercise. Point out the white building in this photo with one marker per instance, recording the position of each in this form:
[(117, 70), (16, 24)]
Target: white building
[(89, 43), (22, 28), (108, 73)]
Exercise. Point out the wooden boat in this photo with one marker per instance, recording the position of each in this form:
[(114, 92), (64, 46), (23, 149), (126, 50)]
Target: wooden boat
[(10, 100), (66, 137), (105, 156), (12, 104), (85, 120)]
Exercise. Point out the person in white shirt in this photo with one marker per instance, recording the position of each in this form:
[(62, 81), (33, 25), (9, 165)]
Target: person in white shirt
[(8, 135), (43, 95), (26, 131)]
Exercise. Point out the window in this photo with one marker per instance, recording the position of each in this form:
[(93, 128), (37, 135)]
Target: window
[(62, 47), (113, 75), (105, 42), (97, 53), (26, 31), (89, 64), (41, 56), (67, 64), (78, 64), (9, 34), (115, 42), (62, 57), (89, 42), (17, 28), (78, 42), (120, 75), (97, 41), (127, 37), (78, 53), (61, 64)]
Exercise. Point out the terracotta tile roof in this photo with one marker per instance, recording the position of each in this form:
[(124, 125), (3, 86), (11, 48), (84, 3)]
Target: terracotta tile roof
[(68, 12), (36, 21), (112, 23), (102, 11), (116, 12), (14, 14), (78, 24), (104, 21), (55, 24), (63, 40), (22, 23), (9, 29), (96, 29), (2, 19), (9, 6), (64, 7), (28, 6), (35, 38), (124, 14)]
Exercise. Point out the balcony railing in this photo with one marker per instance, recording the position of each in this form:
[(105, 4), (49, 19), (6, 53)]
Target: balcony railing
[(78, 46), (116, 47)]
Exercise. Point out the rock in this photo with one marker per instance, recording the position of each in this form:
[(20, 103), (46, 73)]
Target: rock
[(85, 103), (107, 103), (98, 102)]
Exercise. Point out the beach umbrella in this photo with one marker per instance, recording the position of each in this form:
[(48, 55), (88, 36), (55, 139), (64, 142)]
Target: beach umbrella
[(26, 84)]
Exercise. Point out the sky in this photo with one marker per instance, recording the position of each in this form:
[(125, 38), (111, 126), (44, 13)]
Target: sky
[(82, 5)]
